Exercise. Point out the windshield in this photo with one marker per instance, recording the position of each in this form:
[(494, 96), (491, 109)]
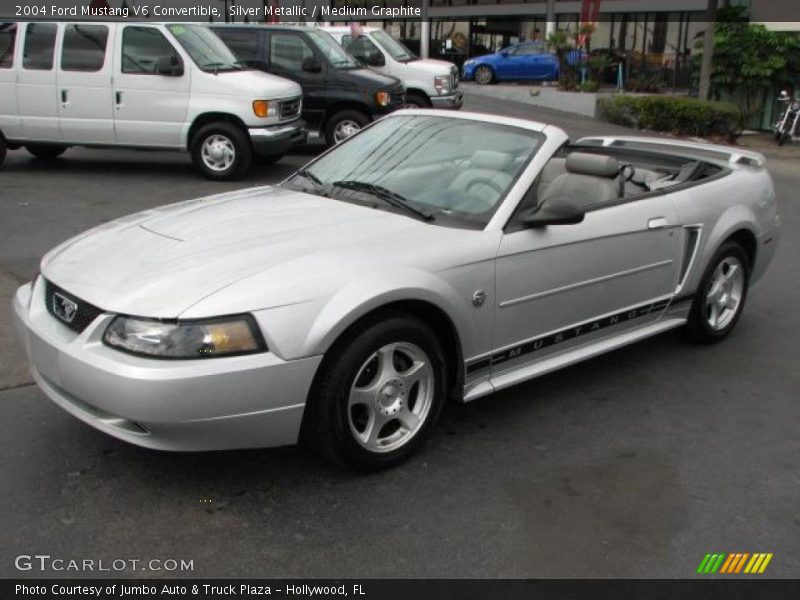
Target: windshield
[(397, 49), (447, 170), (206, 49), (338, 56)]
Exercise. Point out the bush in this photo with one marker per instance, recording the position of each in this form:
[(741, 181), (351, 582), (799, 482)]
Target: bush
[(589, 86), (673, 114)]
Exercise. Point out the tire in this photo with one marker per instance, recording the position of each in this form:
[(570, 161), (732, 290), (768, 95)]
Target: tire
[(342, 412), (3, 149), (484, 75), (783, 138), (727, 287), (45, 151), (415, 100), (337, 126), (269, 159), (221, 151)]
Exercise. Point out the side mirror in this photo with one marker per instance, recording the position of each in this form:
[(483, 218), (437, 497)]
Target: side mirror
[(376, 59), (556, 211), (311, 65), (169, 66)]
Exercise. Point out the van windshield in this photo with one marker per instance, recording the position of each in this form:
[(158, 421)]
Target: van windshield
[(206, 49), (336, 55), (398, 50)]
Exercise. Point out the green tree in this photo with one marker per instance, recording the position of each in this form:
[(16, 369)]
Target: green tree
[(749, 59)]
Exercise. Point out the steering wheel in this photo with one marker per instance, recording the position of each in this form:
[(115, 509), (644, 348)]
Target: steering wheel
[(487, 182)]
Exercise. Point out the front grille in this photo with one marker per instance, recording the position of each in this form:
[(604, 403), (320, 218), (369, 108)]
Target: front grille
[(289, 109), (58, 305)]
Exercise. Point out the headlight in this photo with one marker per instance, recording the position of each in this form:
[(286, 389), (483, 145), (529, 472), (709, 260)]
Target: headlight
[(263, 109), (795, 106), (442, 84), (382, 98), (224, 336)]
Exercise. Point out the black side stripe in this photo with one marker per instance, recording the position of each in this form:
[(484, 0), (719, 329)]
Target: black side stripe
[(573, 332)]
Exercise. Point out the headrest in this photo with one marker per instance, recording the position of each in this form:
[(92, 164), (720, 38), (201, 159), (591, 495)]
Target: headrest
[(491, 160), (592, 164)]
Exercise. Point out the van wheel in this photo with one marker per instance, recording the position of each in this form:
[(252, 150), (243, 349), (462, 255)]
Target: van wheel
[(414, 100), (45, 151), (3, 150), (221, 151), (343, 124), (378, 394)]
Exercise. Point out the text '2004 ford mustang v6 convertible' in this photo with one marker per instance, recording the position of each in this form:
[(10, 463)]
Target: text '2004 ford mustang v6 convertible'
[(431, 256)]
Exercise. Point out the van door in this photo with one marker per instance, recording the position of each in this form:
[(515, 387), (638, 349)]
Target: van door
[(150, 109), (84, 84), (9, 117), (37, 99)]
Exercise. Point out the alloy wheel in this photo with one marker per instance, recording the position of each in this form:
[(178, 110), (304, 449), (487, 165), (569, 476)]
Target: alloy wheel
[(725, 293)]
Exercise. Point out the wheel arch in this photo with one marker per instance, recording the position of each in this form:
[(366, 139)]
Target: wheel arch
[(346, 105), (419, 92), (212, 117)]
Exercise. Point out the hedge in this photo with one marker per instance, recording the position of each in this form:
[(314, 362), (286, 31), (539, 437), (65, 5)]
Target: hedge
[(674, 114)]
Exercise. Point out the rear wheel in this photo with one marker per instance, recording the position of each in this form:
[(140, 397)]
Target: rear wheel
[(484, 75), (721, 295), (46, 151), (221, 151), (378, 394), (343, 124)]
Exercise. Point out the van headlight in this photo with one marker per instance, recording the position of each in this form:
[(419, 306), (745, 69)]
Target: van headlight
[(442, 84), (207, 338), (264, 109)]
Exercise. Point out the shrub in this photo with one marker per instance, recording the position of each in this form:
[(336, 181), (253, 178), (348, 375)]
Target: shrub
[(589, 85), (673, 114)]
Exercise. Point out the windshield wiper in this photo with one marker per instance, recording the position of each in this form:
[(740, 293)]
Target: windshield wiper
[(221, 65), (384, 194), (318, 183)]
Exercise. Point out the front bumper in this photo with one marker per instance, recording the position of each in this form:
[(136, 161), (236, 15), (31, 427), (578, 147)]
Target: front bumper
[(277, 139), (452, 101), (252, 401)]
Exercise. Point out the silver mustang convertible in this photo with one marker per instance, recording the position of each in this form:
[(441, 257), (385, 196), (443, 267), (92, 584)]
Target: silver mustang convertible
[(432, 256)]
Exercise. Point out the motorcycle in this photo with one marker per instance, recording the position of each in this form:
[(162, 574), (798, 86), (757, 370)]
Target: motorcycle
[(786, 125)]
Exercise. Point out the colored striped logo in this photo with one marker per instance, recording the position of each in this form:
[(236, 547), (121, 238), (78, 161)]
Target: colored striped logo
[(735, 563)]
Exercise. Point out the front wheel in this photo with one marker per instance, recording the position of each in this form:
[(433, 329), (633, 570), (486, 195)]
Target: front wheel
[(484, 75), (783, 137), (46, 151), (343, 124), (415, 100), (378, 394), (721, 295), (221, 151)]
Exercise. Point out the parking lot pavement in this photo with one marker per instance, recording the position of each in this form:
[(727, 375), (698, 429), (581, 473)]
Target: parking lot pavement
[(634, 464)]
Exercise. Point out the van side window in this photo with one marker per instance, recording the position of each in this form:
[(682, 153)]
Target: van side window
[(40, 46), (142, 47), (84, 47), (244, 44), (288, 51), (361, 47), (8, 34)]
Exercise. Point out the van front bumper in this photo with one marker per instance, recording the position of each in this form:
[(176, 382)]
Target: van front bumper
[(452, 101), (277, 139), (251, 401)]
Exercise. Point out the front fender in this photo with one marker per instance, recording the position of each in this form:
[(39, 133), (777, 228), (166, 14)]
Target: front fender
[(362, 296)]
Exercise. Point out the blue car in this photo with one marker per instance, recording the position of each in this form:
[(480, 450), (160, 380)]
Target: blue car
[(528, 60)]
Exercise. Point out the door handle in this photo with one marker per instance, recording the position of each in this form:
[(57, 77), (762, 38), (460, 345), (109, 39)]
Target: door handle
[(118, 98), (64, 97), (657, 223)]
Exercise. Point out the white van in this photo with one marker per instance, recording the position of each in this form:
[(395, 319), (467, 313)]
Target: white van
[(429, 83), (141, 85)]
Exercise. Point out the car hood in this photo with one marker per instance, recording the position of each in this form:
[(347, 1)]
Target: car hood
[(160, 262), (372, 79), (429, 66), (253, 84)]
